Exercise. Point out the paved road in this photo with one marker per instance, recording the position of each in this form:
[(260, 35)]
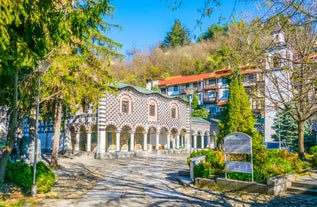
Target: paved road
[(152, 181)]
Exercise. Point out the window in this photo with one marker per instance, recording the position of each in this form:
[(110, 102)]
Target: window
[(224, 80), (125, 104), (152, 110), (276, 60), (175, 88), (226, 94), (174, 111)]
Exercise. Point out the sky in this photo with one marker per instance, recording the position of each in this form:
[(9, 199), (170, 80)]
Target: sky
[(144, 23)]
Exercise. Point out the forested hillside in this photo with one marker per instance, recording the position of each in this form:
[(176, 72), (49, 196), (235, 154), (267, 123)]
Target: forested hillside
[(232, 45)]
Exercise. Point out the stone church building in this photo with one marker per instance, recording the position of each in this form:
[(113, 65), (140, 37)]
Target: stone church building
[(137, 120)]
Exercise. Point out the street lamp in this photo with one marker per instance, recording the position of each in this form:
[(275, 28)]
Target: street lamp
[(189, 92), (42, 67)]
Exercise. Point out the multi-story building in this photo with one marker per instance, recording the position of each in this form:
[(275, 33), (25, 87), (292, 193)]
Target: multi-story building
[(213, 88)]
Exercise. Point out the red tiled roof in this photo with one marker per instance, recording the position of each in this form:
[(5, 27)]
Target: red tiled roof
[(176, 80)]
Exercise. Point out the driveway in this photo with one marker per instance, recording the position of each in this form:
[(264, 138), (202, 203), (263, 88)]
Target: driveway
[(152, 181)]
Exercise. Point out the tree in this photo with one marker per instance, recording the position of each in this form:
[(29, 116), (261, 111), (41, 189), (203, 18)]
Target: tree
[(33, 31), (201, 112), (178, 36), (212, 31), (78, 76), (28, 30), (237, 115), (294, 92), (286, 129)]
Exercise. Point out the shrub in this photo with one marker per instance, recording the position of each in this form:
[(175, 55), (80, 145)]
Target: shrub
[(203, 169), (45, 178), (22, 174), (19, 173), (312, 150), (266, 164)]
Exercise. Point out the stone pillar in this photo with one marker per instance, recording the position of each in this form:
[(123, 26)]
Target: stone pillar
[(174, 142), (118, 141), (168, 137), (157, 141), (203, 142), (177, 141), (188, 141), (145, 142), (77, 141), (88, 146), (132, 144), (102, 141), (195, 141)]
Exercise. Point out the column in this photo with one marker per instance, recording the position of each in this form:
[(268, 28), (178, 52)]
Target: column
[(168, 137), (118, 141), (77, 141), (174, 142), (88, 146), (102, 141), (188, 141), (195, 141), (157, 141), (132, 144), (177, 141), (202, 142), (145, 142)]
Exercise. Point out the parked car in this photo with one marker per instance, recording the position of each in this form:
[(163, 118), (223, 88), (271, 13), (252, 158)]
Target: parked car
[(277, 145)]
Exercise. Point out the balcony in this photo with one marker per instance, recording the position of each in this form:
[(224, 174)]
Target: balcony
[(210, 86), (210, 100)]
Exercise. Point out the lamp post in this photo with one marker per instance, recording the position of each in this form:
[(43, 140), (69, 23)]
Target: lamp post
[(42, 67), (189, 92)]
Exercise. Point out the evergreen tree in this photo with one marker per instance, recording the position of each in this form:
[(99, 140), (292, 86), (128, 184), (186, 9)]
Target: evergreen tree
[(237, 115), (286, 129), (178, 36), (212, 31)]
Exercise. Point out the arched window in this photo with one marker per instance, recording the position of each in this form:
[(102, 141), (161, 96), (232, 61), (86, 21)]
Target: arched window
[(174, 111), (276, 61), (152, 110), (125, 105)]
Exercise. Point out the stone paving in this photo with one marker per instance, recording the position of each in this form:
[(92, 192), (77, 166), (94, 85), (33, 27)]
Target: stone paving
[(152, 181)]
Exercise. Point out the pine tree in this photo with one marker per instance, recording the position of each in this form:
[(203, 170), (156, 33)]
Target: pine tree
[(178, 36), (286, 129), (237, 115)]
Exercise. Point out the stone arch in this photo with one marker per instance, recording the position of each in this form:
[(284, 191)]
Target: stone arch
[(199, 138), (151, 137), (164, 132), (125, 138), (111, 137), (139, 137), (94, 136), (182, 136), (72, 131), (82, 138)]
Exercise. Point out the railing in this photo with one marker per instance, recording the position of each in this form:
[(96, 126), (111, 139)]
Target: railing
[(210, 100), (211, 86)]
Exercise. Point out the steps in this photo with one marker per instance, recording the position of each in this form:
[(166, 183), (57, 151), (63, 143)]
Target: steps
[(305, 185)]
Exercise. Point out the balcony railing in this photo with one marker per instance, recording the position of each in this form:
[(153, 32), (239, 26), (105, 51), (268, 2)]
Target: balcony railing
[(210, 86), (210, 100)]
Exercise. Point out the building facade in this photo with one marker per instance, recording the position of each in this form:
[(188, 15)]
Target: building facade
[(134, 120), (213, 88)]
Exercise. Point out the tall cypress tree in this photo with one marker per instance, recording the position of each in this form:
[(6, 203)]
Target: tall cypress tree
[(237, 115)]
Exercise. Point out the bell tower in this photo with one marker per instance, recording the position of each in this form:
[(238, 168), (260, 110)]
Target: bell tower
[(276, 78)]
